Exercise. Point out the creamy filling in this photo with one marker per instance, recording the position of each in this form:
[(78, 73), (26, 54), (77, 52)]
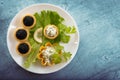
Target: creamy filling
[(47, 53), (51, 31)]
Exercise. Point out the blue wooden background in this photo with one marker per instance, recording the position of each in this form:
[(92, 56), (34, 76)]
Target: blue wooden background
[(98, 57)]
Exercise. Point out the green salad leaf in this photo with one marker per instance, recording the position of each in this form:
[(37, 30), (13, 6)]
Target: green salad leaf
[(58, 47), (38, 24), (32, 56), (66, 55), (60, 54), (56, 58), (63, 30), (64, 38), (70, 30), (66, 29), (49, 17)]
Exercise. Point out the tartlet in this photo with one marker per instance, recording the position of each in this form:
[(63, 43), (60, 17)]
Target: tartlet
[(43, 57), (21, 34), (28, 21), (23, 48), (51, 31)]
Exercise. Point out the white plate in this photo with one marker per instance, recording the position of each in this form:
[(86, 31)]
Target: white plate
[(72, 46)]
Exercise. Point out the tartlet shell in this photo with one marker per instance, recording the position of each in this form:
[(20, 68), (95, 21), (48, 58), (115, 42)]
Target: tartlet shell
[(22, 39), (49, 36), (25, 53), (28, 27), (40, 57)]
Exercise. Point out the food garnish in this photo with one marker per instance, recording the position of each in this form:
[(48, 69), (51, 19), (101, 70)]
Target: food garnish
[(38, 35)]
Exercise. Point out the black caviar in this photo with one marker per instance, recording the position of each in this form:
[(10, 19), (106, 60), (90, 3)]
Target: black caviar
[(28, 21), (23, 48), (21, 34)]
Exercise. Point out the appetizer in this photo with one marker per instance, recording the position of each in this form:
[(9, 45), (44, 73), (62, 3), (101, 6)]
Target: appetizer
[(44, 31), (45, 54), (21, 34), (28, 21), (23, 48), (51, 31)]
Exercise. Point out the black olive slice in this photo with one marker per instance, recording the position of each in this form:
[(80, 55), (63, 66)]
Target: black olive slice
[(29, 21), (21, 34), (23, 48)]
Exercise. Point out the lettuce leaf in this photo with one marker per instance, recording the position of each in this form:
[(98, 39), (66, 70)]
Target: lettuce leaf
[(50, 17), (60, 55), (67, 29), (64, 38), (32, 56), (37, 25), (70, 30), (64, 31), (66, 55), (58, 47), (56, 58)]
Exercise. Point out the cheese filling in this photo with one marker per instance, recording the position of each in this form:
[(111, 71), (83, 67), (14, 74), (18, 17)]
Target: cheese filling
[(51, 31), (47, 53)]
